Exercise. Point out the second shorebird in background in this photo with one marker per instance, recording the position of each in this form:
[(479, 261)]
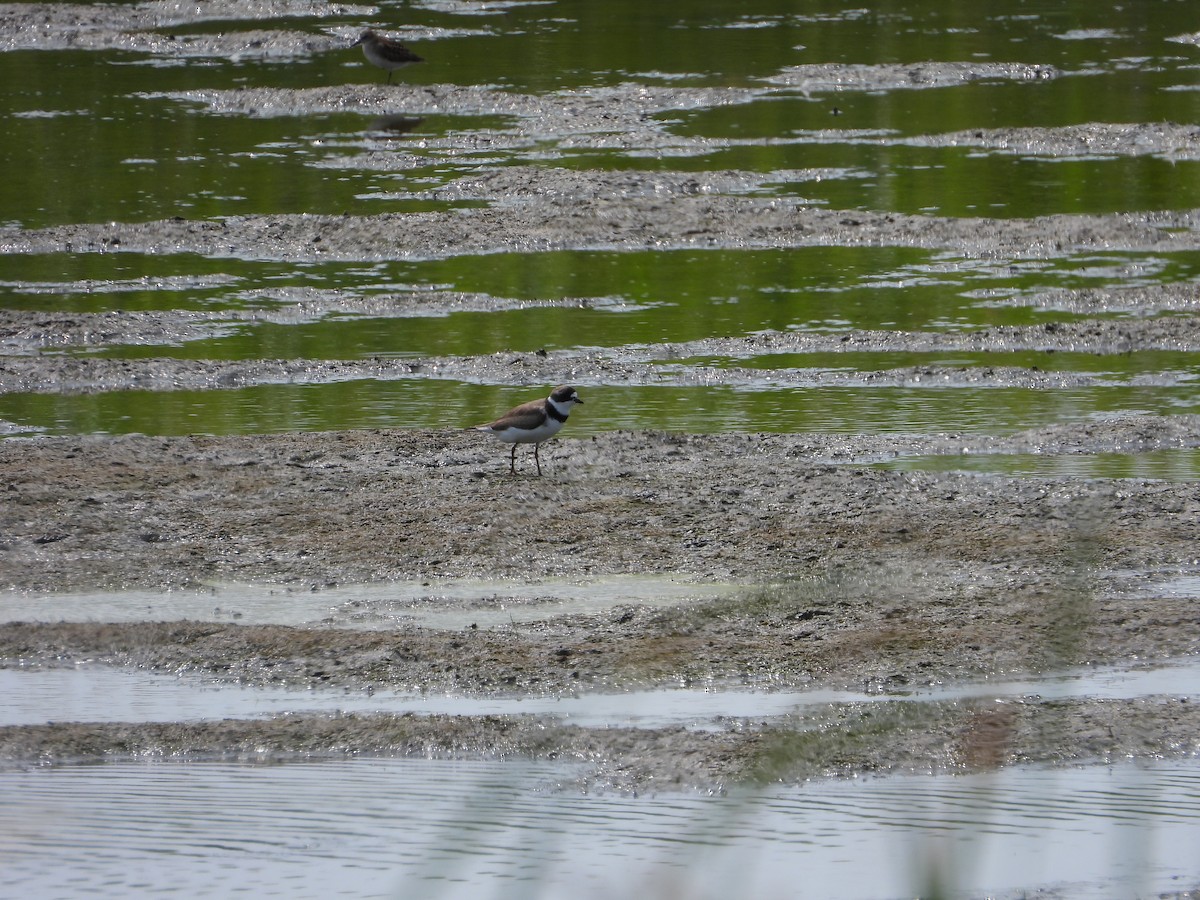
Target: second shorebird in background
[(385, 53), (532, 423)]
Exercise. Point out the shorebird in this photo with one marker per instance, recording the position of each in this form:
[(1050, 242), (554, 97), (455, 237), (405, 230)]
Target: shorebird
[(532, 423), (387, 54)]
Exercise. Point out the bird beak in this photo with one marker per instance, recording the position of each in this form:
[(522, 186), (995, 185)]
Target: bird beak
[(577, 400)]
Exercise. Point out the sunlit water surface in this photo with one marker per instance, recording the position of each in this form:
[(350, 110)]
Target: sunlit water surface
[(440, 828)]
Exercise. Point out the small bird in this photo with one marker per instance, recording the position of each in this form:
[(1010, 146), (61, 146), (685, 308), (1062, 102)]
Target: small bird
[(387, 54), (533, 422)]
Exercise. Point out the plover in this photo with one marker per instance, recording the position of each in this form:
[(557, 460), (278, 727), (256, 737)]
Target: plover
[(533, 422), (385, 53)]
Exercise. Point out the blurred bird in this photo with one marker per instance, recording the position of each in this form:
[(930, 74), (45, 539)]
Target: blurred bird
[(387, 54)]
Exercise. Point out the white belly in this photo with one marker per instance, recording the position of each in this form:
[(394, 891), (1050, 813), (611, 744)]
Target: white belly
[(523, 436)]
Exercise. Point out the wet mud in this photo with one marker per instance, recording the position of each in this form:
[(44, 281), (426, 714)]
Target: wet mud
[(841, 741), (655, 364), (613, 224), (866, 578)]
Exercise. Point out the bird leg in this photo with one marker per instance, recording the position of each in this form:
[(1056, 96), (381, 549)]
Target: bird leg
[(535, 458), (512, 461)]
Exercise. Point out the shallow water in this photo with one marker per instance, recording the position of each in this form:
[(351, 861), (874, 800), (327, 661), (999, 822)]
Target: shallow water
[(128, 128), (448, 603), (125, 130), (435, 828), (98, 694), (1158, 465)]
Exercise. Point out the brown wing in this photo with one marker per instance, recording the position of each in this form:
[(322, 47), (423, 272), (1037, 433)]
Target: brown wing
[(527, 415), (398, 53)]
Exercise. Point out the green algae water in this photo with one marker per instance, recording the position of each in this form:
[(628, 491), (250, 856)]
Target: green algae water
[(103, 132)]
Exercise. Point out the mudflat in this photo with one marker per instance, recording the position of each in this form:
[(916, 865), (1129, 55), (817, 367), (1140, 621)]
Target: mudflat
[(852, 576), (846, 573)]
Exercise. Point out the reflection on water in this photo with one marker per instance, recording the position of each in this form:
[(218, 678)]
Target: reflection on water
[(277, 408), (95, 694), (451, 829), (448, 603), (148, 157), (1162, 465)]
